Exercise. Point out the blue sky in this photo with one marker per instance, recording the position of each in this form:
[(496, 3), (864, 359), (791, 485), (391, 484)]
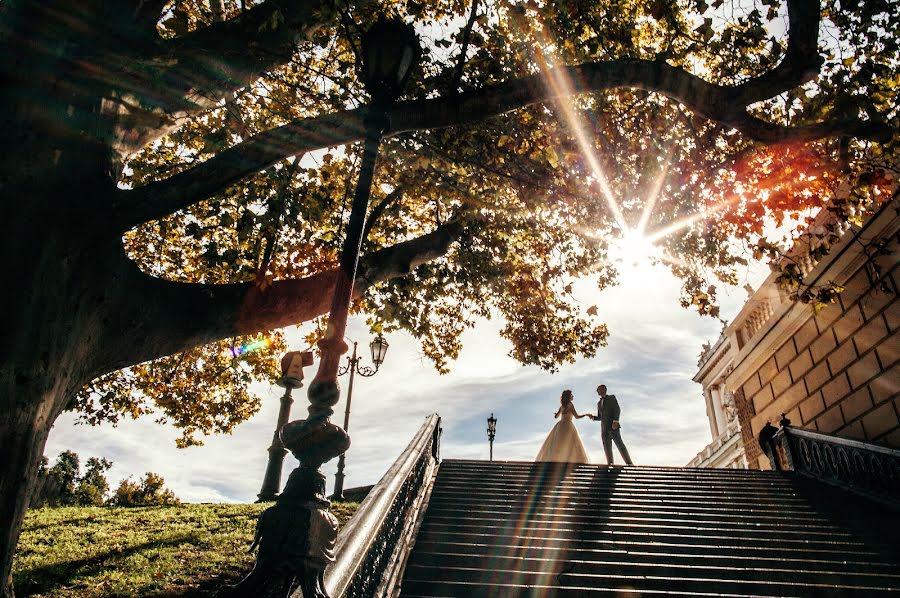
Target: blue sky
[(648, 365)]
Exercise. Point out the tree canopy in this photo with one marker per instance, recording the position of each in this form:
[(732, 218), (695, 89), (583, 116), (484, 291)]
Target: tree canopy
[(532, 136), (176, 178)]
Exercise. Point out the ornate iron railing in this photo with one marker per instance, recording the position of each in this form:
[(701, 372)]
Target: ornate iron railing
[(863, 468), (372, 547)]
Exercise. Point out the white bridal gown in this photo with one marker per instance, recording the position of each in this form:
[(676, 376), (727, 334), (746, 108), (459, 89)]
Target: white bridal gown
[(563, 443)]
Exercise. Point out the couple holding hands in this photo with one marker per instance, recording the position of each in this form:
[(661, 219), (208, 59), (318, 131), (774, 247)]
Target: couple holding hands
[(563, 443)]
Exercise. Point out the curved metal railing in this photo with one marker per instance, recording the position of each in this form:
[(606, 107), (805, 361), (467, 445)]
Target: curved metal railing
[(372, 547), (864, 468)]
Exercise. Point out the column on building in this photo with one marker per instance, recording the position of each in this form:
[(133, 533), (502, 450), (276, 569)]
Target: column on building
[(710, 413), (718, 398)]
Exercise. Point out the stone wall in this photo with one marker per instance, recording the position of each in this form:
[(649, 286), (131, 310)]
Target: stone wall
[(836, 371)]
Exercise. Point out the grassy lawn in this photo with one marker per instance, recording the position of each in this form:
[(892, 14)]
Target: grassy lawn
[(186, 550)]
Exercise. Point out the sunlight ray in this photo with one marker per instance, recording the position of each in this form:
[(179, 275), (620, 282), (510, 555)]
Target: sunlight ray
[(687, 221), (654, 193), (559, 82)]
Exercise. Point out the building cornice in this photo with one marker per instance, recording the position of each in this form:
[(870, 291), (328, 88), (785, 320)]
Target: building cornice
[(712, 357)]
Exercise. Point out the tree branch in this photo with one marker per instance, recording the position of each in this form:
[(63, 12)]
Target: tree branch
[(171, 317), (205, 65), (461, 62), (161, 198), (379, 209), (801, 61), (715, 102)]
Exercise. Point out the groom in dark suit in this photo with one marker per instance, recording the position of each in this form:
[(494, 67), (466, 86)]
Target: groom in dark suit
[(610, 431)]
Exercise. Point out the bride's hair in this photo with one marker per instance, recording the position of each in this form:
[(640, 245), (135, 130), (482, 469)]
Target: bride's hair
[(565, 397)]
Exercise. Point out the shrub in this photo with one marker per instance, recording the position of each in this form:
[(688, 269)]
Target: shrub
[(56, 485), (93, 485), (149, 492)]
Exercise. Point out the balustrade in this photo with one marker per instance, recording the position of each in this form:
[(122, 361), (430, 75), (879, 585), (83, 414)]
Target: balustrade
[(864, 468), (372, 548)]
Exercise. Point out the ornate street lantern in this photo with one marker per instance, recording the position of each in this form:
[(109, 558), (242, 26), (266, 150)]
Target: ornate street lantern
[(379, 348), (292, 365), (492, 431), (390, 50)]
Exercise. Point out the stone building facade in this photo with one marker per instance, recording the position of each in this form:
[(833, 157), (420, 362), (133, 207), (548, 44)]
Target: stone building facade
[(836, 371), (727, 447)]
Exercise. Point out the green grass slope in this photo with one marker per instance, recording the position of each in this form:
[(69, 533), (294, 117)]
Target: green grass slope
[(187, 550)]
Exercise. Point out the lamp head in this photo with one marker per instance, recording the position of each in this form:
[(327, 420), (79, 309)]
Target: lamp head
[(492, 425), (379, 348), (390, 50), (292, 365)]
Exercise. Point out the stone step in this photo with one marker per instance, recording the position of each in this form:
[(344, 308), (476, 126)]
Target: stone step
[(546, 470), (670, 535), (565, 561), (586, 505), (511, 509), (581, 520), (726, 556), (589, 470), (593, 500), (584, 473), (496, 583), (604, 485), (503, 529), (676, 544)]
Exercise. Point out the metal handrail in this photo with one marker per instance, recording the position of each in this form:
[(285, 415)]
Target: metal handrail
[(863, 468), (875, 448), (367, 545)]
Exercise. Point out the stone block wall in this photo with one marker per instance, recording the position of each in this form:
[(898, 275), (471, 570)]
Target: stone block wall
[(836, 371)]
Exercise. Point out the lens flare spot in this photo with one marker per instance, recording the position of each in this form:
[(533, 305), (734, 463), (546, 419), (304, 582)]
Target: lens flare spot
[(633, 248)]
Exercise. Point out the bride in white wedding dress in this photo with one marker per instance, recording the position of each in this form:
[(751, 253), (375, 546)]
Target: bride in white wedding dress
[(563, 443)]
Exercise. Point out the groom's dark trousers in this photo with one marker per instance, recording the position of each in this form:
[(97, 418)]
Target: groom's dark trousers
[(608, 411)]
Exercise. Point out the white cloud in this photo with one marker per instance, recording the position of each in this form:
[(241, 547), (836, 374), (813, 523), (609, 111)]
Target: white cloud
[(648, 364)]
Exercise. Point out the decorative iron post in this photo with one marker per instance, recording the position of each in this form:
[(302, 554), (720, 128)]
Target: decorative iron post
[(292, 365), (766, 441), (786, 454), (379, 348), (296, 536), (491, 431)]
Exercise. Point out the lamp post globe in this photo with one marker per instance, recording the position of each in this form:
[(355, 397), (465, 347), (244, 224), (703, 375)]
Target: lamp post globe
[(292, 365), (390, 51), (379, 347), (491, 432)]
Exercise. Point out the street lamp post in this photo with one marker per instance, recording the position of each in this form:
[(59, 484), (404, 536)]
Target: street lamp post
[(292, 366), (379, 348), (300, 523), (492, 431)]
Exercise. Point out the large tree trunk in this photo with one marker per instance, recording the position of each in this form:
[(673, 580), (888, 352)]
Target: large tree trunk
[(62, 263), (23, 433), (55, 330)]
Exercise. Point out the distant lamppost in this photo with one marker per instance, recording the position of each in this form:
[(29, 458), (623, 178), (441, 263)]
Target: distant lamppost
[(292, 365), (492, 431), (379, 348), (390, 50)]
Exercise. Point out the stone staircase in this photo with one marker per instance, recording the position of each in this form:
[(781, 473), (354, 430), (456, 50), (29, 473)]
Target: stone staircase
[(531, 529)]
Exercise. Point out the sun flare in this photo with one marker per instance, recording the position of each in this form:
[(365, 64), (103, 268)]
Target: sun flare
[(634, 248)]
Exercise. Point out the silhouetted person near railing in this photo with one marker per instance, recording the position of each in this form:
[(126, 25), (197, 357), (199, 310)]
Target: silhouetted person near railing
[(608, 413), (767, 444)]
